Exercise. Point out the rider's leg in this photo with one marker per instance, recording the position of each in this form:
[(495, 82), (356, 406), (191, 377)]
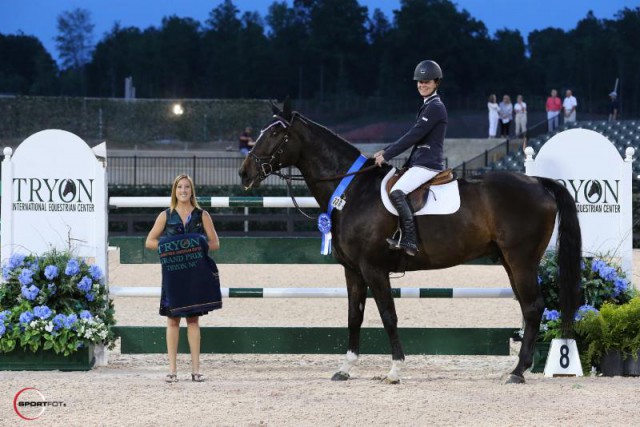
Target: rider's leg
[(412, 179)]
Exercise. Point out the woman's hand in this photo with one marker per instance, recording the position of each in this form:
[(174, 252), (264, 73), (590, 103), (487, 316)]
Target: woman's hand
[(379, 156)]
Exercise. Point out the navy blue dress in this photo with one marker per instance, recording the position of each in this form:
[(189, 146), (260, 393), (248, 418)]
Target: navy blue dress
[(174, 228)]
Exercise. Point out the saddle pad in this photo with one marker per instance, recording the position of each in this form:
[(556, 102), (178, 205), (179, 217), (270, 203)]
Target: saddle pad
[(443, 199)]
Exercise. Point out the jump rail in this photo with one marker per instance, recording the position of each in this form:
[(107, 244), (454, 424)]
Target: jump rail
[(327, 292), (215, 202)]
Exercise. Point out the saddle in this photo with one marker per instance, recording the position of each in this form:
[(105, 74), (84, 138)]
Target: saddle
[(418, 197)]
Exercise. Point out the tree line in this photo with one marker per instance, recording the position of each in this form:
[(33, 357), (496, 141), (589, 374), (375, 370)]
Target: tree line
[(328, 50)]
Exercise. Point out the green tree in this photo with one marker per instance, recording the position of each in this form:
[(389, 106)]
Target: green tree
[(26, 68), (75, 38)]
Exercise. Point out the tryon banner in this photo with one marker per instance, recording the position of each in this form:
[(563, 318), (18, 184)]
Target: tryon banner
[(54, 195), (599, 180)]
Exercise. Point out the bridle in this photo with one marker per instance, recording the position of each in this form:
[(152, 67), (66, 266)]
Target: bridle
[(271, 164)]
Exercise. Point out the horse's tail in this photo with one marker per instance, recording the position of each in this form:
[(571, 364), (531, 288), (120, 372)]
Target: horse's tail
[(569, 253)]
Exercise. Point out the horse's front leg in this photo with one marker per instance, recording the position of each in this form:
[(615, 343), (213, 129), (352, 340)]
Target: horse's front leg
[(378, 281), (357, 291)]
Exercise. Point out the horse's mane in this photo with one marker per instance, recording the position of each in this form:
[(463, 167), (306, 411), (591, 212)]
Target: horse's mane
[(324, 131)]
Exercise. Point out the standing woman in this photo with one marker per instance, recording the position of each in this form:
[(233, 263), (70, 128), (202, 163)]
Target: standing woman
[(494, 115), (520, 110), (506, 113), (184, 216)]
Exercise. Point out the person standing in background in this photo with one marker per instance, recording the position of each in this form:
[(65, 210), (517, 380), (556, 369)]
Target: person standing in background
[(569, 106), (246, 142), (553, 107), (614, 107), (520, 110), (494, 115), (506, 114)]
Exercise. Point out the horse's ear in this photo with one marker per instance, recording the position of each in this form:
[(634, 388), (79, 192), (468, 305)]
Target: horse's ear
[(286, 109), (275, 110)]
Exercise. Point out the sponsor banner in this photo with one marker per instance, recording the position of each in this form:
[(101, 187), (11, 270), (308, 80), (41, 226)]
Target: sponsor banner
[(599, 180)]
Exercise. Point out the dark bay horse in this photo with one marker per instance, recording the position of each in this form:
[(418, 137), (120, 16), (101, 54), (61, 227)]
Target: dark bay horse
[(507, 216)]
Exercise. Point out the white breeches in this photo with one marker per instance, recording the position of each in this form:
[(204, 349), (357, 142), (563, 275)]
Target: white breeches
[(493, 126), (414, 178)]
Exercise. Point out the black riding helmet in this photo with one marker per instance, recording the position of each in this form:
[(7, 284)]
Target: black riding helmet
[(428, 70)]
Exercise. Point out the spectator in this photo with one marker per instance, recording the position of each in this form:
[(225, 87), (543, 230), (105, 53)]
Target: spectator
[(245, 142), (520, 110), (614, 107), (569, 106), (506, 114), (494, 115), (553, 107)]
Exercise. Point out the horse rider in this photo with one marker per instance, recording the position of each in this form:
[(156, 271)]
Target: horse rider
[(427, 155)]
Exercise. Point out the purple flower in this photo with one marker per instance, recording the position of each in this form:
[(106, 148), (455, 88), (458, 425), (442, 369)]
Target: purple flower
[(73, 268), (4, 315), (620, 286), (52, 288), (85, 314), (30, 293), (584, 310), (85, 284), (51, 272), (5, 272), (26, 317), (70, 320), (551, 314), (26, 277), (59, 321), (89, 296), (42, 311), (16, 261), (95, 272), (2, 328)]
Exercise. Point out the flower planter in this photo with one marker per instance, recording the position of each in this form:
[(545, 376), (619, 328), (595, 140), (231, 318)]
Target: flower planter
[(47, 360), (540, 353), (611, 364), (631, 368)]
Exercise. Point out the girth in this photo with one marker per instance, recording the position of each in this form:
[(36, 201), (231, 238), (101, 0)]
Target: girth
[(418, 197)]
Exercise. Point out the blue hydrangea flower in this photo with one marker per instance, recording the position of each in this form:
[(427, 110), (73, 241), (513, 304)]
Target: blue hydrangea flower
[(16, 261), (85, 314), (583, 310), (26, 277), (52, 288), (551, 314), (89, 296), (96, 272), (85, 284), (59, 321), (620, 286), (2, 328), (73, 268), (4, 315), (51, 272), (42, 311), (26, 318), (5, 272), (70, 320), (30, 293)]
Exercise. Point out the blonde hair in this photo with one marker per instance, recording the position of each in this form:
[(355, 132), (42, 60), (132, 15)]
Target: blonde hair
[(174, 198), (492, 98)]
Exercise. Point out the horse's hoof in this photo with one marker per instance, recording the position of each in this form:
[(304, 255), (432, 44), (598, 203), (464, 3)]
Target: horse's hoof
[(515, 379), (387, 380), (340, 376)]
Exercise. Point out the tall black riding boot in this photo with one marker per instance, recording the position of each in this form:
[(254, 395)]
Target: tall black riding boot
[(407, 239)]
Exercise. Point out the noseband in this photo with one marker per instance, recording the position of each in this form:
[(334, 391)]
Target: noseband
[(271, 164)]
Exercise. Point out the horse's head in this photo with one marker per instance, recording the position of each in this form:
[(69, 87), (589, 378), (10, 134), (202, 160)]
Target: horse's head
[(274, 149)]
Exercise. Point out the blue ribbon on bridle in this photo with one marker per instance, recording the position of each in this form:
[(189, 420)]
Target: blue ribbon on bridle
[(324, 220)]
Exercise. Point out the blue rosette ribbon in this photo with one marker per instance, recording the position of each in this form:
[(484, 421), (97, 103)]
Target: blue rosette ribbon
[(324, 225)]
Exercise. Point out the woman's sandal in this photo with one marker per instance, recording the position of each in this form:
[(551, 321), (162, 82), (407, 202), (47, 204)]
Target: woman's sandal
[(197, 378), (171, 378)]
